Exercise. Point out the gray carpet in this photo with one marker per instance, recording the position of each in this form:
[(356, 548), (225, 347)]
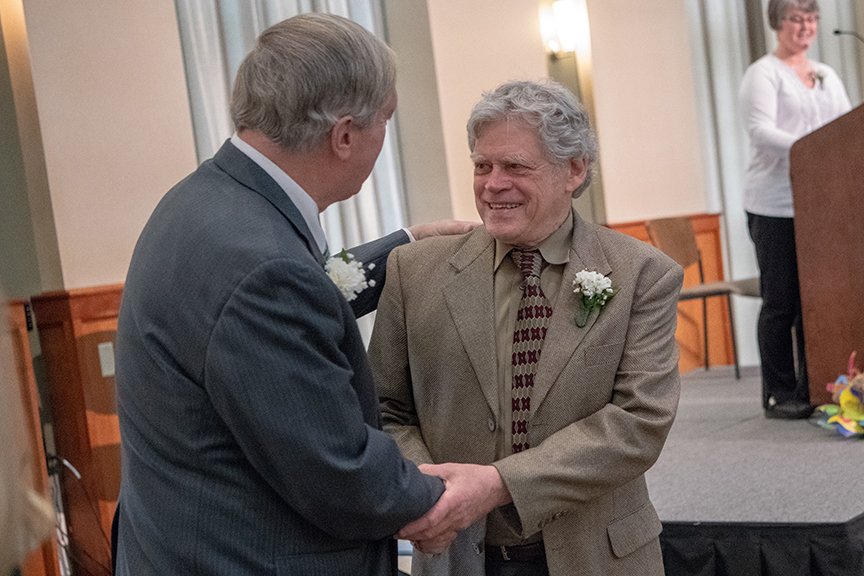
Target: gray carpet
[(725, 462)]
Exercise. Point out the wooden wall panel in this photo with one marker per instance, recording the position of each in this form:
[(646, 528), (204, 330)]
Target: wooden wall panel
[(41, 562), (72, 325), (689, 333)]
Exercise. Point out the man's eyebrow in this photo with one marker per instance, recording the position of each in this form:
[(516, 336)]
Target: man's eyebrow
[(512, 159)]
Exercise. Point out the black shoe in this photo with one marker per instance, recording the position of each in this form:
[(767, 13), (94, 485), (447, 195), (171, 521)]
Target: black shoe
[(792, 410)]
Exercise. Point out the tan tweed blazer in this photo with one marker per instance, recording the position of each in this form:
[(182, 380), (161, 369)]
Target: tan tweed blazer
[(604, 396)]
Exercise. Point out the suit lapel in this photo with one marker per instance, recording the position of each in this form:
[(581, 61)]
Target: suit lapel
[(241, 168), (470, 299), (564, 337)]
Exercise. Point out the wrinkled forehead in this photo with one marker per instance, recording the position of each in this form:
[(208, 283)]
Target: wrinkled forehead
[(511, 137)]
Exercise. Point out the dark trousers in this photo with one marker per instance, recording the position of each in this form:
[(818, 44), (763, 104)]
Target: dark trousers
[(532, 568), (780, 315), (537, 568)]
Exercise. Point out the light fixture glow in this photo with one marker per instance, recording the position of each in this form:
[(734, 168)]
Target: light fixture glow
[(564, 27), (564, 18)]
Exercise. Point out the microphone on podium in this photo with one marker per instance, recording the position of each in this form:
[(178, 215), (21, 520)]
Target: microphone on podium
[(849, 33)]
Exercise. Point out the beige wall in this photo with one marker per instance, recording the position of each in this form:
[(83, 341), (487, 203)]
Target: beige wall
[(18, 255), (478, 45), (418, 116), (114, 123), (646, 111), (27, 221)]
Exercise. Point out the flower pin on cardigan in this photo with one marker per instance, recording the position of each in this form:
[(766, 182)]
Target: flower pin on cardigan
[(818, 78), (596, 290), (348, 274)]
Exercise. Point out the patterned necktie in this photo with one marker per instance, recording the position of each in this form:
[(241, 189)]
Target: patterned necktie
[(528, 335)]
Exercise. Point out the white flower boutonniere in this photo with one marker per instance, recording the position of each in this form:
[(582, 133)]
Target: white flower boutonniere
[(348, 274), (818, 78), (596, 290)]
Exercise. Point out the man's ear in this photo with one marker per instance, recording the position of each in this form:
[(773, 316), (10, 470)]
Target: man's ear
[(342, 137), (578, 173)]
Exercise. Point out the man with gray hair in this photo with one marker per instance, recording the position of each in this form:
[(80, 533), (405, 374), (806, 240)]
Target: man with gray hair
[(249, 422), (553, 379)]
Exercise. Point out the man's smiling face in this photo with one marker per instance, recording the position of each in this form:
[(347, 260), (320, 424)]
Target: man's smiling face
[(521, 194)]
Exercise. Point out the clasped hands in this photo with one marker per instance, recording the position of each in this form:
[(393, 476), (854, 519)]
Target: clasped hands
[(471, 491)]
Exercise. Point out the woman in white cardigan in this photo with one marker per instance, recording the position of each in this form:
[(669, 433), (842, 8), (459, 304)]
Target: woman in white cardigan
[(784, 95)]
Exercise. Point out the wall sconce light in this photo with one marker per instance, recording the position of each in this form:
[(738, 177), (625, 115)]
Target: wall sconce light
[(564, 28)]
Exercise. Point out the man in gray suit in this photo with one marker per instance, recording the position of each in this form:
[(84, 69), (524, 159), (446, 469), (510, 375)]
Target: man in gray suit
[(249, 421), (553, 398)]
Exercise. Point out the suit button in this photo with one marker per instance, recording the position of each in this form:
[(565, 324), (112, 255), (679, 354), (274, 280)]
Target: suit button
[(491, 423), (478, 548)]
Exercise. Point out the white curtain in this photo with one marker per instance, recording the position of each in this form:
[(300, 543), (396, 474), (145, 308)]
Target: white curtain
[(216, 35)]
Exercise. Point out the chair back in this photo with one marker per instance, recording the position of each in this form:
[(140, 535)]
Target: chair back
[(675, 237)]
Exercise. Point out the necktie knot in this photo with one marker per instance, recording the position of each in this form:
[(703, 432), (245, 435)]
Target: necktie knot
[(529, 262)]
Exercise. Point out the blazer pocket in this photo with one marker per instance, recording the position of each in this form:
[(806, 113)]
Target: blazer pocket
[(605, 354), (630, 533)]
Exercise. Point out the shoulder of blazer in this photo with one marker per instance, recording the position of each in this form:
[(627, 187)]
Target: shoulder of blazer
[(453, 246), (618, 245), (251, 176)]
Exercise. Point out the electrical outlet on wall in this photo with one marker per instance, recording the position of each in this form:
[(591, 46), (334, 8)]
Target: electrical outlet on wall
[(106, 359)]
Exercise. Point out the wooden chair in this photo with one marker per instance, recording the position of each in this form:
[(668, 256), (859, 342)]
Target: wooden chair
[(675, 237)]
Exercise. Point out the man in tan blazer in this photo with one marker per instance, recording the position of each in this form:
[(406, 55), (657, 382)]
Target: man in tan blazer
[(543, 451)]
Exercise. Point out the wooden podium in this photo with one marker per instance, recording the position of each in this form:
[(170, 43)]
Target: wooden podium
[(828, 191)]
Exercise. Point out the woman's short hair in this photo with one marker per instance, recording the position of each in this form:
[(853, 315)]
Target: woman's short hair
[(777, 10), (305, 73), (560, 120)]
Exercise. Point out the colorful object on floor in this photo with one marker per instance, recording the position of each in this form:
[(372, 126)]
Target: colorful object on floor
[(846, 414)]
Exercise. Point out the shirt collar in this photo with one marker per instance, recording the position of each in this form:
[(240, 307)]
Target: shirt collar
[(305, 204), (555, 249)]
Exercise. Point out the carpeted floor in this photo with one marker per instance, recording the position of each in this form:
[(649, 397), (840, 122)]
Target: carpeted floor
[(725, 462)]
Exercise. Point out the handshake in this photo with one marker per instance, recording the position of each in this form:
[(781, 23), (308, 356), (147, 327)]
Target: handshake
[(471, 491)]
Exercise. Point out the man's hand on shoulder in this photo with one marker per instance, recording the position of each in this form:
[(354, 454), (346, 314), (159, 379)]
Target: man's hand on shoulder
[(441, 228), (471, 491)]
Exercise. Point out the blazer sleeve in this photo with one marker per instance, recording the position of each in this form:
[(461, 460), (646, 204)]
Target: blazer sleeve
[(622, 439), (374, 257), (280, 374), (388, 356)]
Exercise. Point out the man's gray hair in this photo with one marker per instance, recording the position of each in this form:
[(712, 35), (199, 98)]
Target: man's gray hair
[(560, 120), (777, 10), (305, 73)]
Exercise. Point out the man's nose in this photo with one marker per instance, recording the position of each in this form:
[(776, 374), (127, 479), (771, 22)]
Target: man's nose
[(498, 179)]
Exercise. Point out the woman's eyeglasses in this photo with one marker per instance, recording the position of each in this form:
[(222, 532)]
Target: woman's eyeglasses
[(798, 20)]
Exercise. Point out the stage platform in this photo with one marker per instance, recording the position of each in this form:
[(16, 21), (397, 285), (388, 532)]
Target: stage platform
[(742, 495)]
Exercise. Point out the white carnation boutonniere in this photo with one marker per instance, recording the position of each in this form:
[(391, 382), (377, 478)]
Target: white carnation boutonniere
[(348, 274), (596, 290)]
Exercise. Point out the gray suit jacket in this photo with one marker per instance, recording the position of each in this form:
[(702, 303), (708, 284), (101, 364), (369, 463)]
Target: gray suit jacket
[(249, 422), (603, 399)]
